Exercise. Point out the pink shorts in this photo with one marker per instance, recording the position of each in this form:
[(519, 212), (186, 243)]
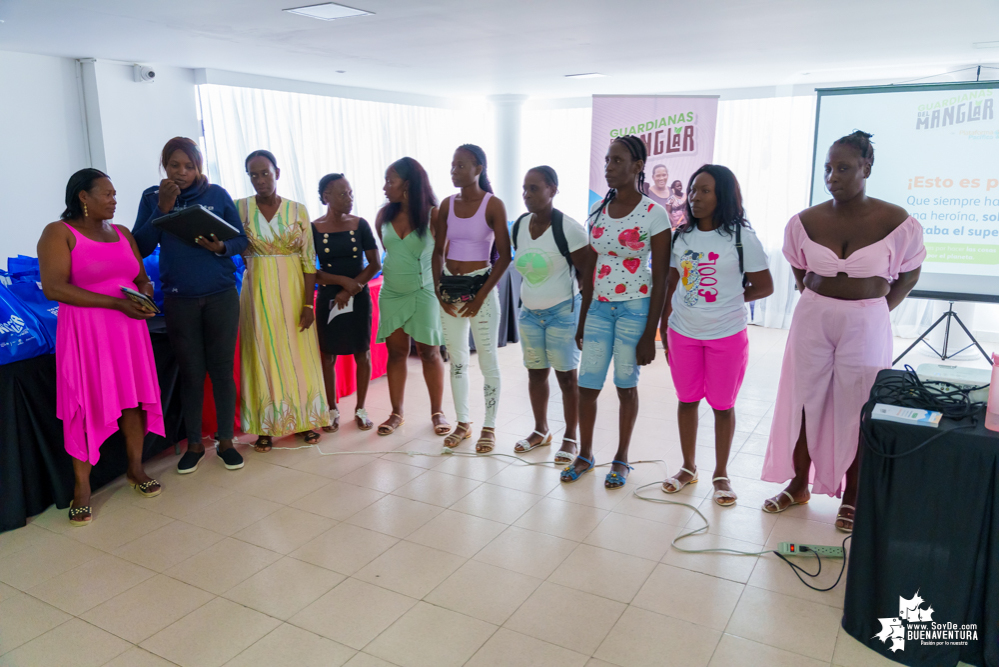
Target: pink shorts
[(711, 369)]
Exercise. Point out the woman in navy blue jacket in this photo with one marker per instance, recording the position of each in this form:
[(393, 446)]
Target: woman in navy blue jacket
[(201, 303)]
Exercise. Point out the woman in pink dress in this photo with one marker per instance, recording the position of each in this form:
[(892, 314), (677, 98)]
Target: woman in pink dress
[(106, 376), (854, 259)]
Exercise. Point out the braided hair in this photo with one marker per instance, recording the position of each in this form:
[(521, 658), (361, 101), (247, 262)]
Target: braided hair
[(480, 159), (636, 147), (547, 173), (861, 141), (324, 182)]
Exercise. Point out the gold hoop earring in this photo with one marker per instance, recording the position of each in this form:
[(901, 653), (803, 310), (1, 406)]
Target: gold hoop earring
[(84, 210)]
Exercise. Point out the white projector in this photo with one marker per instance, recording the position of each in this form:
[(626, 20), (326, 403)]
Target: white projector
[(962, 376)]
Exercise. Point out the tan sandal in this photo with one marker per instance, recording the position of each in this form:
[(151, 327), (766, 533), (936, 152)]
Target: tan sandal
[(460, 432), (440, 429), (387, 429), (484, 445)]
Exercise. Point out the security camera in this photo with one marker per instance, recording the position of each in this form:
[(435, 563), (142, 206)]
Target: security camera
[(142, 73)]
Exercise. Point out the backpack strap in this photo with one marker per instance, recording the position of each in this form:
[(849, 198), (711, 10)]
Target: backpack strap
[(738, 250), (558, 232), (516, 230)]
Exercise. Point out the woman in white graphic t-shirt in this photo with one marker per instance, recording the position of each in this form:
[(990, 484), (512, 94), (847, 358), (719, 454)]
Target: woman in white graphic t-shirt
[(552, 253), (710, 283)]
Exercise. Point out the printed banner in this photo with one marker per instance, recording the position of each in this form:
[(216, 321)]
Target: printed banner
[(679, 133)]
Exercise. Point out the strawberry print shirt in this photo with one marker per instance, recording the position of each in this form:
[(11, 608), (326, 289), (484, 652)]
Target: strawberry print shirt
[(623, 246)]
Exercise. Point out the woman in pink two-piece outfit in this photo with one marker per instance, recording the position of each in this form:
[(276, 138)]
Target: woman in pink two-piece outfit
[(854, 259), (106, 375)]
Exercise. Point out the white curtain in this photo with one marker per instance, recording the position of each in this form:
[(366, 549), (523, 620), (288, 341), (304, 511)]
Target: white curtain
[(767, 142), (313, 135), (559, 138)]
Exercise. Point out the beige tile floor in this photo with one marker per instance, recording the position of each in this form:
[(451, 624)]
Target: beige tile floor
[(374, 559)]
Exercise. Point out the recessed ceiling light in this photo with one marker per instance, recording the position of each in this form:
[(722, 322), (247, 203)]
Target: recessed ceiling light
[(986, 45), (588, 75), (329, 11)]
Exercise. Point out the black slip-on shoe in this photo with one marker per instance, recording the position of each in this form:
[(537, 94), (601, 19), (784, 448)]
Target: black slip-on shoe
[(232, 459), (189, 462)]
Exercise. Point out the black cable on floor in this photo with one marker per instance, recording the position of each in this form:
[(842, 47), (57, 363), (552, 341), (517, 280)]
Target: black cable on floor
[(797, 568)]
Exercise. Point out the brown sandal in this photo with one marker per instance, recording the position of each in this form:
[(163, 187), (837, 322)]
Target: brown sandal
[(310, 437), (263, 444)]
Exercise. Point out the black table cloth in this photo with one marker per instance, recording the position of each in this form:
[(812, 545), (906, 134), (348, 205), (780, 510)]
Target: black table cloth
[(35, 470), (926, 523)]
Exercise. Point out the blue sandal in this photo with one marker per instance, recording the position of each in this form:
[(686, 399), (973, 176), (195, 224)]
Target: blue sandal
[(569, 474), (615, 480)]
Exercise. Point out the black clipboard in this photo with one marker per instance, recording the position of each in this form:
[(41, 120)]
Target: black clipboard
[(189, 223)]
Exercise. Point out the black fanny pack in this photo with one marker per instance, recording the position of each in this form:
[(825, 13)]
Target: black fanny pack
[(461, 288)]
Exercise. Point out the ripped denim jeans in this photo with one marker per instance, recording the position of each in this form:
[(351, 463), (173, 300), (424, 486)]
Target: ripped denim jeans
[(485, 332), (613, 329), (548, 337)]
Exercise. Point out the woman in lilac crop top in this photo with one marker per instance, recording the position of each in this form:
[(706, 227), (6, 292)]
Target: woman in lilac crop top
[(466, 228), (854, 259)]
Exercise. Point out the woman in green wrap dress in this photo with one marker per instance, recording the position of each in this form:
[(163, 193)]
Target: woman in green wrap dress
[(408, 307)]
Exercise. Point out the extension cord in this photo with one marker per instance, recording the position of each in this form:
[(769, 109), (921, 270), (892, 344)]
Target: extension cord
[(795, 549), (787, 548)]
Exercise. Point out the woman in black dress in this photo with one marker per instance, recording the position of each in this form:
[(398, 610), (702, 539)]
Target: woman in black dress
[(342, 242)]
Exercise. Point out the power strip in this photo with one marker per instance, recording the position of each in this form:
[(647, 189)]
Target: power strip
[(794, 549)]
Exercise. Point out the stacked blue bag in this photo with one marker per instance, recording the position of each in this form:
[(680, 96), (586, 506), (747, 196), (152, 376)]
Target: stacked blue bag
[(26, 285), (22, 335)]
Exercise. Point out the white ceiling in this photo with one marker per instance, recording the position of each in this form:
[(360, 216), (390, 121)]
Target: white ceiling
[(480, 47)]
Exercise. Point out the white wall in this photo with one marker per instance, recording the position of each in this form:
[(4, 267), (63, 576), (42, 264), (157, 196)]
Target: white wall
[(137, 120), (42, 139)]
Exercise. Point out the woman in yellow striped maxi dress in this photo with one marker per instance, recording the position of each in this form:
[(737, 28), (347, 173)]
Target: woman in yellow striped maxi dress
[(281, 370)]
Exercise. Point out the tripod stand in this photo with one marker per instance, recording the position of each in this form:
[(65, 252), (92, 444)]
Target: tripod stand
[(943, 353)]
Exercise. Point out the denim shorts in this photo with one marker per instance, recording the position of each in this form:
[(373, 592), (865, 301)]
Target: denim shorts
[(548, 337), (613, 329)]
